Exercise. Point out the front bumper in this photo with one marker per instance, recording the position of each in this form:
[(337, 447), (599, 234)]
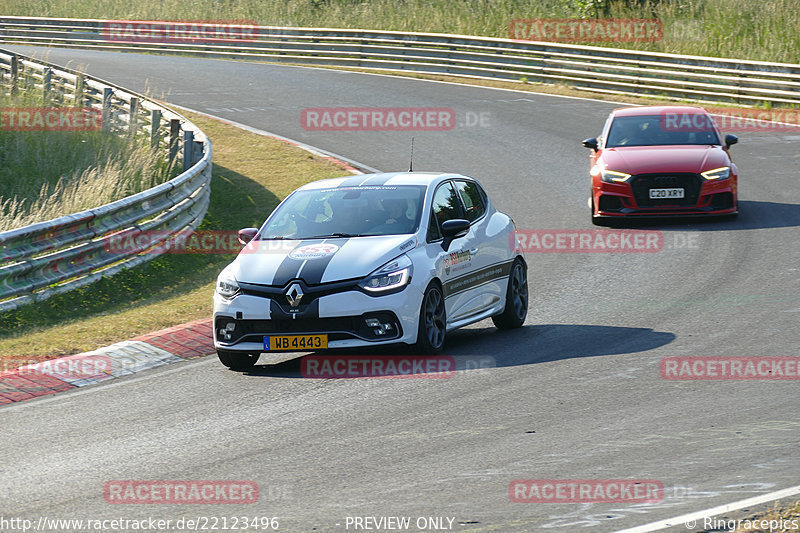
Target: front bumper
[(631, 199), (240, 323)]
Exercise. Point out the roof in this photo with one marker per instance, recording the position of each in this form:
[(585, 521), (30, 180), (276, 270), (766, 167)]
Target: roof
[(383, 178), (658, 110)]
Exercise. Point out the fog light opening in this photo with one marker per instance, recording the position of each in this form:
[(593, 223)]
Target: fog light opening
[(378, 328), (225, 333)]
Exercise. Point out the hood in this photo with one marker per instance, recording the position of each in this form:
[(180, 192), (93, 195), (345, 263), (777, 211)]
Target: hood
[(657, 159), (317, 261)]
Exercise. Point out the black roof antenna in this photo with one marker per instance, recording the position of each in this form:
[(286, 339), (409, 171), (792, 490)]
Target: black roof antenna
[(411, 163)]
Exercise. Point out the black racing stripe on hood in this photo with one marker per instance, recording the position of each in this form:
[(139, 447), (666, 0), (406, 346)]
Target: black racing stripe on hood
[(289, 267), (314, 269), (380, 179)]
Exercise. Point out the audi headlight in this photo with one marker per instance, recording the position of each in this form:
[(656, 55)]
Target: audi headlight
[(227, 286), (394, 275), (721, 173), (612, 176)]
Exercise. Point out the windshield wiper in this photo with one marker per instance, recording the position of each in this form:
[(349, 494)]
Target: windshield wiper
[(329, 235)]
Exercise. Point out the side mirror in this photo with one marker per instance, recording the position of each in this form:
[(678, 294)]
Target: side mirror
[(590, 143), (453, 229), (730, 140), (246, 235)]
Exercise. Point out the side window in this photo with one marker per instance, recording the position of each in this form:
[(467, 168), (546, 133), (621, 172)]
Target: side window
[(473, 199), (445, 207)]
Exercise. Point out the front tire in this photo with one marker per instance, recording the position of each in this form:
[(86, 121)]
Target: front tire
[(238, 361), (432, 321), (513, 316)]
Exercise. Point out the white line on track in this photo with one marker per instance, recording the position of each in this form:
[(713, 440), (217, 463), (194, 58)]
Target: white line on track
[(686, 520)]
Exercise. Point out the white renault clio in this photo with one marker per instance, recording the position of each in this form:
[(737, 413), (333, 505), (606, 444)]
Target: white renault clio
[(370, 260)]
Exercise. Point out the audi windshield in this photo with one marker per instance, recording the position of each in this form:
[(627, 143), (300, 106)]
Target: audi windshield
[(658, 130)]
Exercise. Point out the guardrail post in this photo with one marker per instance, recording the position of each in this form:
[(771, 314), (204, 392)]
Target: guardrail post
[(46, 84), (155, 125), (80, 82), (738, 85), (107, 92), (14, 73), (188, 149), (174, 139), (198, 151), (133, 117)]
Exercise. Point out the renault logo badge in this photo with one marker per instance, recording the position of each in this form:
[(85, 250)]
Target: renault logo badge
[(294, 294)]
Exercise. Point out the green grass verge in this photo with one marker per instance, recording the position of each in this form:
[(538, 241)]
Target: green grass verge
[(252, 173), (767, 30)]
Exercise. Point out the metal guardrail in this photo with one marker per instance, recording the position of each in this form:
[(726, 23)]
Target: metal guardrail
[(48, 258), (608, 70)]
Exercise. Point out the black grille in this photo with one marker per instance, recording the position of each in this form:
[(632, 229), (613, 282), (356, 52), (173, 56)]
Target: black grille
[(690, 183), (337, 328)]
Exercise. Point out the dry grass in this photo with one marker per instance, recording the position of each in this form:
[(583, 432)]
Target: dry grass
[(115, 177)]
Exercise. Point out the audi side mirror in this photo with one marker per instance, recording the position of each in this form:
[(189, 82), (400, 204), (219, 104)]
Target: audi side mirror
[(590, 143)]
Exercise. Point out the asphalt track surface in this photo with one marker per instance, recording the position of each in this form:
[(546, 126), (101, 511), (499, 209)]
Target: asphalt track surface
[(574, 394)]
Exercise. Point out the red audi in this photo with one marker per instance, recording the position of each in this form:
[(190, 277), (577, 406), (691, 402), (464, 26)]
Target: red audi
[(656, 161)]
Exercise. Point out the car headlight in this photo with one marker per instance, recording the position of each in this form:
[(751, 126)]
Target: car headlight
[(612, 176), (721, 173), (394, 275), (227, 286)]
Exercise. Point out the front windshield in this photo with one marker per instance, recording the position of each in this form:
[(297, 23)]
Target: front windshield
[(657, 130), (347, 211)]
